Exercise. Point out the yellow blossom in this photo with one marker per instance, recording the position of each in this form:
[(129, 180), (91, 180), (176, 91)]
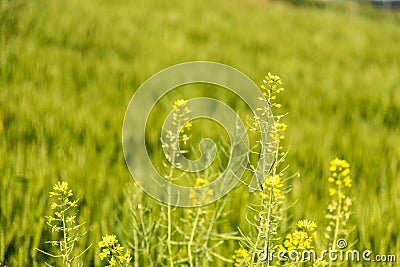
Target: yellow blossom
[(179, 102), (108, 240), (320, 264), (347, 181), (240, 257), (306, 225), (112, 251), (338, 209), (61, 186), (332, 191), (201, 182), (104, 253), (71, 219)]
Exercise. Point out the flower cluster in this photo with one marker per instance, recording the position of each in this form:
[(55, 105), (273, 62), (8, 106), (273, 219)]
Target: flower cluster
[(302, 237), (203, 196), (273, 188), (113, 252), (179, 133), (339, 176), (271, 87), (63, 218), (179, 116), (241, 257), (339, 209), (306, 225), (63, 222), (278, 135)]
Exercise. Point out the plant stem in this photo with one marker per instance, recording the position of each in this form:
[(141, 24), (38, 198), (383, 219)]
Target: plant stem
[(169, 236), (337, 223), (169, 210), (192, 237), (255, 248), (271, 195), (268, 228), (65, 249), (135, 240)]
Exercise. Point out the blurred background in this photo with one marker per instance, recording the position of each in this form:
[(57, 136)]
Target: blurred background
[(68, 70)]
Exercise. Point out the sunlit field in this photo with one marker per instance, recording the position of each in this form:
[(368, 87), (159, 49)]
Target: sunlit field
[(68, 70)]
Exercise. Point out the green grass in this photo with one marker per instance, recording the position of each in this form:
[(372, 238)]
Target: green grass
[(69, 68)]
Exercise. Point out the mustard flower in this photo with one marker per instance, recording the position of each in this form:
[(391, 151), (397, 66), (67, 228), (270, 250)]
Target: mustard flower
[(240, 257), (113, 252)]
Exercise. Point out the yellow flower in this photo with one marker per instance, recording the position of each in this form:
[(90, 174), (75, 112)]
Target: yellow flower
[(112, 262), (332, 206), (347, 181), (179, 102), (280, 126), (188, 125), (104, 253), (241, 256), (108, 241), (320, 264), (306, 225), (339, 163), (301, 239), (71, 219), (274, 181), (185, 138), (61, 187), (345, 172), (54, 194), (332, 191), (201, 182), (274, 184), (125, 258), (261, 214), (50, 219), (112, 251), (347, 203)]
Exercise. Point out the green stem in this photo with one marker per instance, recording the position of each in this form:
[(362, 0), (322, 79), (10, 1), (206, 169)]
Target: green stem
[(136, 244), (169, 210), (255, 248), (192, 237), (268, 229), (169, 229), (65, 250), (271, 195), (337, 223)]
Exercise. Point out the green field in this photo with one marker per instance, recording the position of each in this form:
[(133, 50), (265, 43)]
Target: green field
[(68, 70)]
